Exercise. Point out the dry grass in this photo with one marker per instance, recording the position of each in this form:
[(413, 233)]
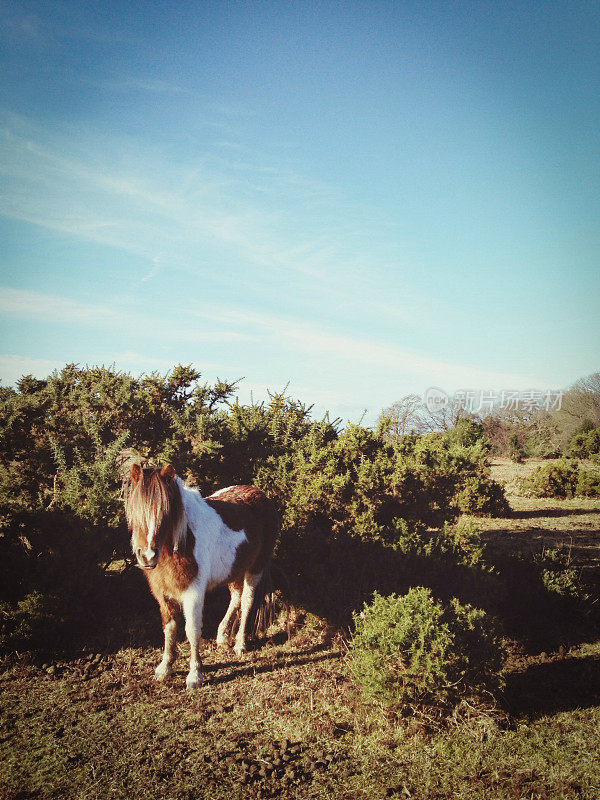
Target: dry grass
[(537, 523)]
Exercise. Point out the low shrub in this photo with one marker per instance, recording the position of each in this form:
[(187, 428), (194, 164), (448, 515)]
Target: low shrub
[(561, 479), (458, 543), (32, 623), (586, 442), (483, 496), (463, 540), (588, 483), (516, 452), (411, 651)]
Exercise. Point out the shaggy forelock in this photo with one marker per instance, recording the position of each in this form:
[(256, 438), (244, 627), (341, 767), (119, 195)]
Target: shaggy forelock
[(151, 503)]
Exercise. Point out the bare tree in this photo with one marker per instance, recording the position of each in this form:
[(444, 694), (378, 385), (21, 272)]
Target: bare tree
[(582, 401), (444, 419), (402, 417), (411, 415), (580, 404)]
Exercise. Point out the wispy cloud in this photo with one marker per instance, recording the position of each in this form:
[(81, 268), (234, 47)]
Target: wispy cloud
[(25, 304), (21, 303), (55, 21), (184, 215), (149, 205), (307, 339), (297, 338), (146, 85)]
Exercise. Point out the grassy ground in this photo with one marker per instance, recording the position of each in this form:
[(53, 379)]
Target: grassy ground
[(538, 522), (286, 721)]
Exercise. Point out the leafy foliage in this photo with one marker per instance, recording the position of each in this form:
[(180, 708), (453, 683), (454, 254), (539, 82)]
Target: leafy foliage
[(86, 486), (515, 449), (564, 478), (37, 618), (559, 576), (586, 442), (483, 496), (66, 440), (414, 650)]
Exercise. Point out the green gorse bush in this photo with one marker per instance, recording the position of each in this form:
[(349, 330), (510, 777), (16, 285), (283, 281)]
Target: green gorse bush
[(564, 478), (413, 651), (352, 504)]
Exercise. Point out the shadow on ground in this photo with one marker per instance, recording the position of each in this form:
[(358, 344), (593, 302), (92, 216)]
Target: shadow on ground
[(238, 670), (553, 686), (551, 512), (342, 574)]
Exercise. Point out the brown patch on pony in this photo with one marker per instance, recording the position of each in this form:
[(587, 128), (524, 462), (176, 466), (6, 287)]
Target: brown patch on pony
[(248, 508), (170, 610), (175, 570)]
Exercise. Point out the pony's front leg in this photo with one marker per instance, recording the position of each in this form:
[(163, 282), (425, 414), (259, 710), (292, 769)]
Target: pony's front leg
[(171, 618), (193, 606)]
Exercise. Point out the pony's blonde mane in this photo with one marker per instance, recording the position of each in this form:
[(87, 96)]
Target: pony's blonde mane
[(153, 502)]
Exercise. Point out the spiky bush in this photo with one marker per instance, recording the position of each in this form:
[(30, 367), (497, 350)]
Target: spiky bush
[(585, 443), (414, 651), (34, 622), (516, 452), (483, 496), (350, 496), (562, 479)]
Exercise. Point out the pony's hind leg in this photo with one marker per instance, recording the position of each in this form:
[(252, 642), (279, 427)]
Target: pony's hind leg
[(250, 583), (172, 618), (234, 603)]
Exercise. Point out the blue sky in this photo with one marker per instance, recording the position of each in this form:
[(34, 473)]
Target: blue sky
[(360, 199)]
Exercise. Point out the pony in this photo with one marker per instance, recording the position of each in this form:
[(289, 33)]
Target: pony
[(188, 545)]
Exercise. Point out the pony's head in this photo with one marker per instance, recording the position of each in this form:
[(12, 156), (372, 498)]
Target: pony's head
[(154, 513)]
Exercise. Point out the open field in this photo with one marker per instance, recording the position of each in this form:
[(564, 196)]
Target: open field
[(286, 720), (538, 522)]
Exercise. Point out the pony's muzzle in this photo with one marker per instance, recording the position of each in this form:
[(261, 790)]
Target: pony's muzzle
[(147, 559)]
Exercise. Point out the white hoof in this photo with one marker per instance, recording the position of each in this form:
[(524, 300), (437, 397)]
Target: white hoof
[(162, 672), (222, 641), (239, 649), (194, 680)]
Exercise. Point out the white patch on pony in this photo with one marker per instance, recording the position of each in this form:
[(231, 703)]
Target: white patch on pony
[(151, 535), (216, 544), (221, 491), (165, 667), (223, 557), (250, 584)]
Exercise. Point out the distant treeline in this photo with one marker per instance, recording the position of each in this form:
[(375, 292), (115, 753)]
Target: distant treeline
[(521, 430)]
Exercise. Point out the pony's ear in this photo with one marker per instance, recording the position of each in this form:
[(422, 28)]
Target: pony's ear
[(136, 473), (167, 472)]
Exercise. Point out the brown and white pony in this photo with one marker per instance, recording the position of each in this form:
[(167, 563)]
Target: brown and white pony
[(188, 545)]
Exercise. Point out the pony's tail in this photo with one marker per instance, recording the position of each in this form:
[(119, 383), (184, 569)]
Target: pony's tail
[(269, 606), (262, 614)]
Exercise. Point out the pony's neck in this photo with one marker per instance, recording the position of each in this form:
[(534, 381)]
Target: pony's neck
[(196, 510)]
